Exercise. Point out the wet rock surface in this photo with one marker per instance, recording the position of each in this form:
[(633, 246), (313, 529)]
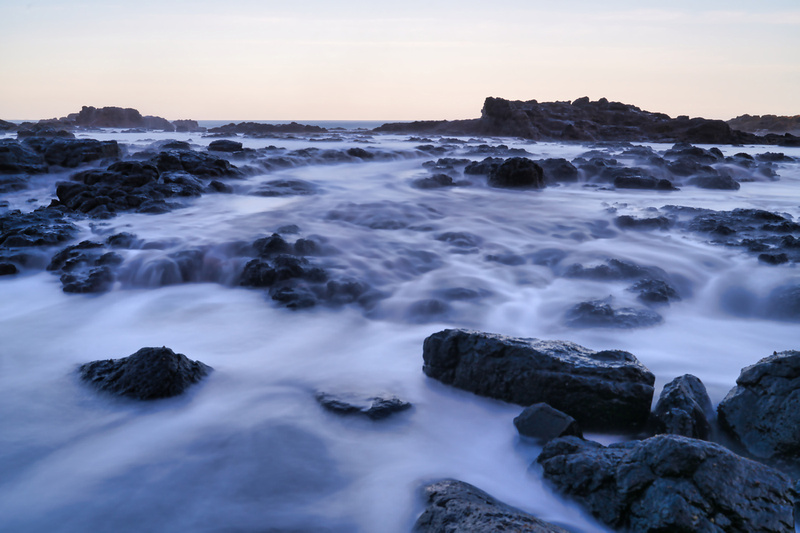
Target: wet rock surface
[(601, 314), (684, 408), (517, 172), (454, 506), (670, 483), (543, 423), (42, 227), (149, 374), (373, 407), (763, 411), (607, 391)]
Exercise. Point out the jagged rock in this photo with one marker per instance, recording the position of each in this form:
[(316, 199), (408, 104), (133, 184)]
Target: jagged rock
[(655, 291), (373, 407), (670, 483), (45, 226), (542, 422), (608, 390), (517, 172), (455, 506), (149, 374), (763, 411), (684, 408), (71, 153), (17, 158)]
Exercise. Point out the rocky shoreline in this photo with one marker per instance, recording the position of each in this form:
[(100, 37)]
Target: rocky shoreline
[(684, 465)]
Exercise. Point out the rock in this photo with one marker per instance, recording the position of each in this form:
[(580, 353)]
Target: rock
[(360, 153), (763, 411), (517, 172), (558, 170), (199, 164), (284, 187), (118, 117), (373, 407), (45, 226), (684, 408), (224, 145), (187, 126), (614, 269), (643, 182), (600, 314), (670, 483), (8, 269), (17, 158), (722, 182), (643, 224), (773, 259), (783, 303), (71, 153), (256, 129), (455, 506), (543, 423), (437, 181), (607, 391), (655, 291), (149, 374), (487, 166)]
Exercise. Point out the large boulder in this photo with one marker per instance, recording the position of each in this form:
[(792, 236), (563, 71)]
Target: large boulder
[(517, 172), (670, 483), (684, 408), (455, 506), (16, 158), (149, 374), (763, 410), (608, 390)]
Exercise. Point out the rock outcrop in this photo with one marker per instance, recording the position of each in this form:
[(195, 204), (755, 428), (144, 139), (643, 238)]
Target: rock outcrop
[(149, 374), (684, 408), (763, 411), (606, 391), (455, 506), (670, 483)]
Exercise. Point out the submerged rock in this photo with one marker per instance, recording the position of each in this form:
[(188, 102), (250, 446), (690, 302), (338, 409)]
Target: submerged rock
[(608, 390), (684, 408), (763, 411), (670, 483), (455, 506), (542, 422), (373, 407), (600, 314), (149, 374)]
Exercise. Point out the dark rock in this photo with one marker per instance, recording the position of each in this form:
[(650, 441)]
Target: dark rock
[(613, 269), (558, 170), (487, 166), (600, 314), (94, 280), (12, 183), (45, 226), (43, 129), (71, 153), (670, 483), (517, 172), (17, 158), (607, 390), (645, 224), (773, 259), (373, 407), (454, 506), (684, 408), (542, 422), (190, 126), (460, 239), (360, 153), (763, 411), (437, 181), (258, 273), (257, 129), (722, 182), (643, 182), (8, 269), (199, 164), (655, 291), (149, 374), (783, 303), (224, 145)]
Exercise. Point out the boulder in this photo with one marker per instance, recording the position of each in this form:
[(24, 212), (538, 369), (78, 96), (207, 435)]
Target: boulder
[(722, 182), (763, 411), (17, 158), (149, 374), (373, 407), (517, 172), (543, 423), (684, 408), (608, 390), (455, 506), (225, 145), (670, 483)]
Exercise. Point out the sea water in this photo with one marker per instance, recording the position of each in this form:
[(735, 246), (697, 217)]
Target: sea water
[(249, 449)]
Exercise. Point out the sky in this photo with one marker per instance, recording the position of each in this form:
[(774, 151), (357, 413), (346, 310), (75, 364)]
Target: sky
[(409, 60)]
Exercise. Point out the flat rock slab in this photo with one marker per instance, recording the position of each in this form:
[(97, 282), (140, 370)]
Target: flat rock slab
[(671, 483), (606, 391), (149, 374), (374, 407), (455, 506), (763, 410)]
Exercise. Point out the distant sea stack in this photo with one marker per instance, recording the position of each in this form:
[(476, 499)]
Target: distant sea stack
[(765, 124), (585, 120)]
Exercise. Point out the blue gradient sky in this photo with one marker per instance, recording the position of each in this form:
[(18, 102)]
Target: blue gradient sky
[(353, 59)]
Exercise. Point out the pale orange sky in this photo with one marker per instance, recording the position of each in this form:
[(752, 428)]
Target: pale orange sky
[(353, 59)]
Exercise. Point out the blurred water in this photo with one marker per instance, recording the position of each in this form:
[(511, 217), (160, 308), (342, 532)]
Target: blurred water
[(249, 449)]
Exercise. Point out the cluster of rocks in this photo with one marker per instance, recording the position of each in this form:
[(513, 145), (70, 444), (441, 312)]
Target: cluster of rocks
[(765, 124), (585, 120), (670, 479), (255, 129), (89, 118)]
